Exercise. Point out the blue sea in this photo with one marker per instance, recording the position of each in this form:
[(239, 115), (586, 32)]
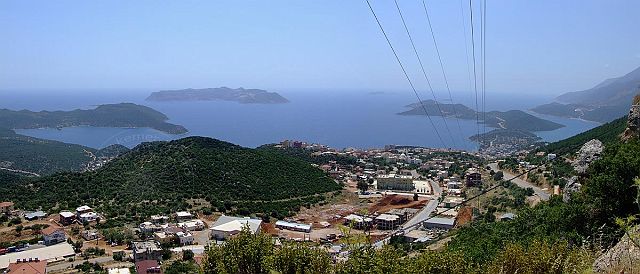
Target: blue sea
[(341, 119)]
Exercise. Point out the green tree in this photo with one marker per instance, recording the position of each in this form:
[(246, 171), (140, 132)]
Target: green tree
[(362, 186)]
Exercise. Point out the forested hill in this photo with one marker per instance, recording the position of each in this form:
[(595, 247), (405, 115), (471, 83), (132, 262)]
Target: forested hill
[(111, 115), (29, 155), (160, 177), (606, 133)]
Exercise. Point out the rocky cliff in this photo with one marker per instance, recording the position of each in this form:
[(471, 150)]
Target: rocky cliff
[(633, 122)]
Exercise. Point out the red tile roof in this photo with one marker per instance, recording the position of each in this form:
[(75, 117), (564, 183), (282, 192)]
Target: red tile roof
[(5, 204), (143, 267), (50, 230), (33, 267)]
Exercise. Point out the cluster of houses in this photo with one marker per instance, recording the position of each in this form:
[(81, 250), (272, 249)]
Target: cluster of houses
[(83, 214)]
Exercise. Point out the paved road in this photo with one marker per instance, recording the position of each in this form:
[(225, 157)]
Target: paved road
[(68, 265), (422, 215), (425, 212), (521, 183)]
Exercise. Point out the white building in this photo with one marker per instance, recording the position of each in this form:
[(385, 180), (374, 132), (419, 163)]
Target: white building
[(53, 235), (227, 226), (183, 215), (294, 226), (192, 225), (185, 238), (88, 217)]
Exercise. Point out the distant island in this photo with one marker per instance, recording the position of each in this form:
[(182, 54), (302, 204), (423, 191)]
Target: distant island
[(603, 103), (110, 115), (240, 95), (512, 119)]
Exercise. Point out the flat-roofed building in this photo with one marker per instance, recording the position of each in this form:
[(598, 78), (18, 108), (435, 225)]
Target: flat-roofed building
[(66, 217), (395, 182), (53, 253), (294, 226), (387, 221), (83, 209), (441, 223), (183, 216), (357, 221), (147, 250)]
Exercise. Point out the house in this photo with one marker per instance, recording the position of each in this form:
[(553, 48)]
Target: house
[(387, 221), (404, 213), (6, 207), (67, 218), (183, 216), (88, 217), (192, 225), (357, 221), (227, 226), (83, 209), (53, 235), (30, 266), (148, 267), (293, 226), (163, 237), (148, 227), (147, 250), (473, 177), (159, 219), (35, 215), (185, 238)]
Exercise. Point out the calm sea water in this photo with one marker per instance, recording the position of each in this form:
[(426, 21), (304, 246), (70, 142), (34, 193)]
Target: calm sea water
[(339, 119)]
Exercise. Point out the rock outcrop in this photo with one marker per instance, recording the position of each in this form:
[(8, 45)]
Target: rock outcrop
[(588, 153), (571, 187), (633, 122), (624, 254)]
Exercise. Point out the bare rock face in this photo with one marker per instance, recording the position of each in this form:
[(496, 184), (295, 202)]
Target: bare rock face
[(571, 187), (633, 122), (589, 152), (624, 253)]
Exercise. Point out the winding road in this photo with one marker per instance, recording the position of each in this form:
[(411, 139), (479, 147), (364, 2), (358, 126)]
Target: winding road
[(520, 182)]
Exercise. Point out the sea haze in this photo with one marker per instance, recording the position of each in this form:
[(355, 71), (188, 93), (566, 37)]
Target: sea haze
[(361, 119)]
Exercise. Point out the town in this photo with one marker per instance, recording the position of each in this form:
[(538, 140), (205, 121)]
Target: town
[(396, 194)]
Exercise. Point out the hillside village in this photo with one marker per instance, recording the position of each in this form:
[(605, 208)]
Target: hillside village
[(407, 194)]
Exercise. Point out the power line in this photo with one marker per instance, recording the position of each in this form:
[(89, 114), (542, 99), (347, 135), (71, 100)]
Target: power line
[(444, 75), (405, 73), (484, 65), (424, 73), (475, 77)]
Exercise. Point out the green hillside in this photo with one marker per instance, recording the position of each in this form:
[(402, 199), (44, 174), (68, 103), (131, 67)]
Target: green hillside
[(609, 132), (45, 157), (160, 177), (41, 156)]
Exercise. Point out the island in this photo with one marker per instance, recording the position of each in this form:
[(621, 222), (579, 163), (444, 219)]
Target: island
[(240, 95), (125, 115), (512, 119)]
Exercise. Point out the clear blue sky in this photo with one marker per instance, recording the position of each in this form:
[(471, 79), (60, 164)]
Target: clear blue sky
[(546, 47)]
